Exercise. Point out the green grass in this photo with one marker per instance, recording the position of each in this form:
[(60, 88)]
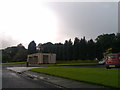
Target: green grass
[(37, 65), (102, 76), (11, 63), (49, 65), (78, 64), (76, 61)]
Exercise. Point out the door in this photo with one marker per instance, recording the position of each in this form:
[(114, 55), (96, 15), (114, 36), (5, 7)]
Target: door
[(45, 59)]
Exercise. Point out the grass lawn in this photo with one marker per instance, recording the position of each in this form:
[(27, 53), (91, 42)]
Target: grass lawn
[(72, 62), (49, 65), (78, 64), (11, 63), (37, 65), (76, 61), (102, 76)]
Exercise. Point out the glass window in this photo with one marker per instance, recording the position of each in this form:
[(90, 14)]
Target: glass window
[(112, 56)]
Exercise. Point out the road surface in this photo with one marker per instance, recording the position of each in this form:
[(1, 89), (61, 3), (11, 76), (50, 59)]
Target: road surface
[(14, 80)]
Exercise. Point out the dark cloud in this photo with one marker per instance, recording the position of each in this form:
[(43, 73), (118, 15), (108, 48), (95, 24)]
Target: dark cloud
[(88, 19)]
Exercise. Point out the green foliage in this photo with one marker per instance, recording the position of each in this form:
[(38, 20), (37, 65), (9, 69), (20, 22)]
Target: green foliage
[(82, 49), (21, 55), (106, 41), (76, 49), (109, 50), (16, 53), (91, 50), (32, 47), (6, 57)]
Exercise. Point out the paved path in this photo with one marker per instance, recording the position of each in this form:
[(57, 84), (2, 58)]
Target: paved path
[(20, 69)]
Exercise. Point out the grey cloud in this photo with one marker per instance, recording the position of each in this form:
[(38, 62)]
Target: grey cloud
[(88, 19), (6, 41)]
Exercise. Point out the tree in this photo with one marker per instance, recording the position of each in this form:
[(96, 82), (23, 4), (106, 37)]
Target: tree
[(103, 43), (76, 49), (6, 57), (20, 56), (70, 50), (116, 46), (11, 51), (47, 47), (106, 40), (32, 47), (16, 53), (20, 46), (59, 51), (91, 50), (39, 48), (65, 48), (83, 49)]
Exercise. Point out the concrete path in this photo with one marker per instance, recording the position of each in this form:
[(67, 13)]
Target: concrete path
[(20, 69), (62, 82)]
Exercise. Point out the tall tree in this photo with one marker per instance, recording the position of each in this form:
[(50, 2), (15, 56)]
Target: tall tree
[(32, 47), (104, 42), (66, 53), (116, 45), (47, 47), (83, 49), (59, 51), (91, 50), (70, 50), (76, 49)]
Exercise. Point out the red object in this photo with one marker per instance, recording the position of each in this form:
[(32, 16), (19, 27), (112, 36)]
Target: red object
[(113, 60)]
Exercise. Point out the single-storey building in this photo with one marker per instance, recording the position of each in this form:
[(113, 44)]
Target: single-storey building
[(41, 58)]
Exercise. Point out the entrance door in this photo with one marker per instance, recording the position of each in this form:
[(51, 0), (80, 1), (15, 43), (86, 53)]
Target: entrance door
[(45, 59)]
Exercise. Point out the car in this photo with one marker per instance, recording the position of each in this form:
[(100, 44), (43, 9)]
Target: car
[(113, 60), (102, 62)]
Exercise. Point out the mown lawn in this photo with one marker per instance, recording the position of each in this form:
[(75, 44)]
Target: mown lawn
[(63, 64), (102, 76), (78, 64), (76, 61), (11, 63), (37, 65)]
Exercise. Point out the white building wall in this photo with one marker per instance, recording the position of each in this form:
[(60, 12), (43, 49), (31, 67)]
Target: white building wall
[(51, 58)]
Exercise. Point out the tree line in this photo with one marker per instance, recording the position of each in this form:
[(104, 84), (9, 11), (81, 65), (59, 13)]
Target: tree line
[(79, 49), (14, 54)]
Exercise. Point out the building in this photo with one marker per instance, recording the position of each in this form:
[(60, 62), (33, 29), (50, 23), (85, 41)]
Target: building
[(41, 58)]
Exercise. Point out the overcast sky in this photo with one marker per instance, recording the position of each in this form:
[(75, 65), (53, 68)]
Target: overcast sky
[(26, 20)]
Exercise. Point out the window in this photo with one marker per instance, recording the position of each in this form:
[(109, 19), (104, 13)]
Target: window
[(112, 56)]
